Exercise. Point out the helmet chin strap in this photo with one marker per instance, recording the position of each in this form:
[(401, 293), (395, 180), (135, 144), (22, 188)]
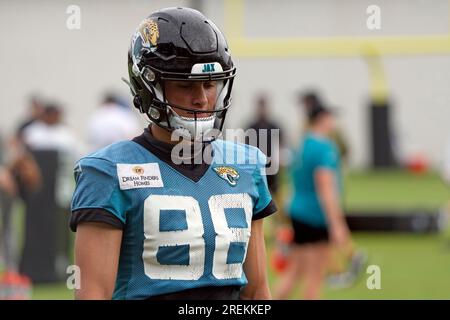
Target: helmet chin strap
[(191, 128)]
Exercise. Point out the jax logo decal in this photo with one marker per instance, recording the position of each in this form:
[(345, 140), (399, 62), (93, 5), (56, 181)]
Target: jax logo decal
[(208, 67)]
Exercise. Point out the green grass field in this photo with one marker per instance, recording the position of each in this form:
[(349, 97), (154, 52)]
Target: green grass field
[(413, 266), (394, 190)]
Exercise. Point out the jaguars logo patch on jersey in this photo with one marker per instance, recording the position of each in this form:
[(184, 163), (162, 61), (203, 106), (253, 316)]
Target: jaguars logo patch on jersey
[(229, 174)]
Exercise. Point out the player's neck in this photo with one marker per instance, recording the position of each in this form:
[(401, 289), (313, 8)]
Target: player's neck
[(161, 134), (320, 131)]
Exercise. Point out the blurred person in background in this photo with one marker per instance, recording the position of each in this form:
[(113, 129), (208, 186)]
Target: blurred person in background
[(34, 113), (13, 285), (316, 213), (51, 134), (20, 161), (266, 128), (264, 138), (19, 176), (111, 122), (309, 100)]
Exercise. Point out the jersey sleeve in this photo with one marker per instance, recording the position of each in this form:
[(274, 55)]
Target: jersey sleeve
[(264, 206), (97, 187), (326, 157)]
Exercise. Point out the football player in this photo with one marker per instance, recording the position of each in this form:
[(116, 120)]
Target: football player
[(150, 226)]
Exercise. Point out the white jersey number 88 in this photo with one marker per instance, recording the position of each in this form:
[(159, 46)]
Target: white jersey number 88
[(193, 236)]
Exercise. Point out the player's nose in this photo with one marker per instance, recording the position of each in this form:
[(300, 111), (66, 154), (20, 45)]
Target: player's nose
[(199, 97)]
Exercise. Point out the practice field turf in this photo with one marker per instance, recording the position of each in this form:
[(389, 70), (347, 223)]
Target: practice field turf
[(394, 190), (412, 267)]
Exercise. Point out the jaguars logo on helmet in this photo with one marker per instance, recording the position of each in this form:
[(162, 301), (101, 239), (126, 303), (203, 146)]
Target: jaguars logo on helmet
[(149, 33)]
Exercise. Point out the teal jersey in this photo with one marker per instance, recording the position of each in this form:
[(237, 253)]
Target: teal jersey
[(178, 233), (314, 153)]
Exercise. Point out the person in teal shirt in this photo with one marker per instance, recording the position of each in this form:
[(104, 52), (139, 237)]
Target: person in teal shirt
[(315, 209), (316, 153)]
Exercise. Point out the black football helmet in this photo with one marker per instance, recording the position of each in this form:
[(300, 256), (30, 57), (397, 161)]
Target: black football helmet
[(180, 44)]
